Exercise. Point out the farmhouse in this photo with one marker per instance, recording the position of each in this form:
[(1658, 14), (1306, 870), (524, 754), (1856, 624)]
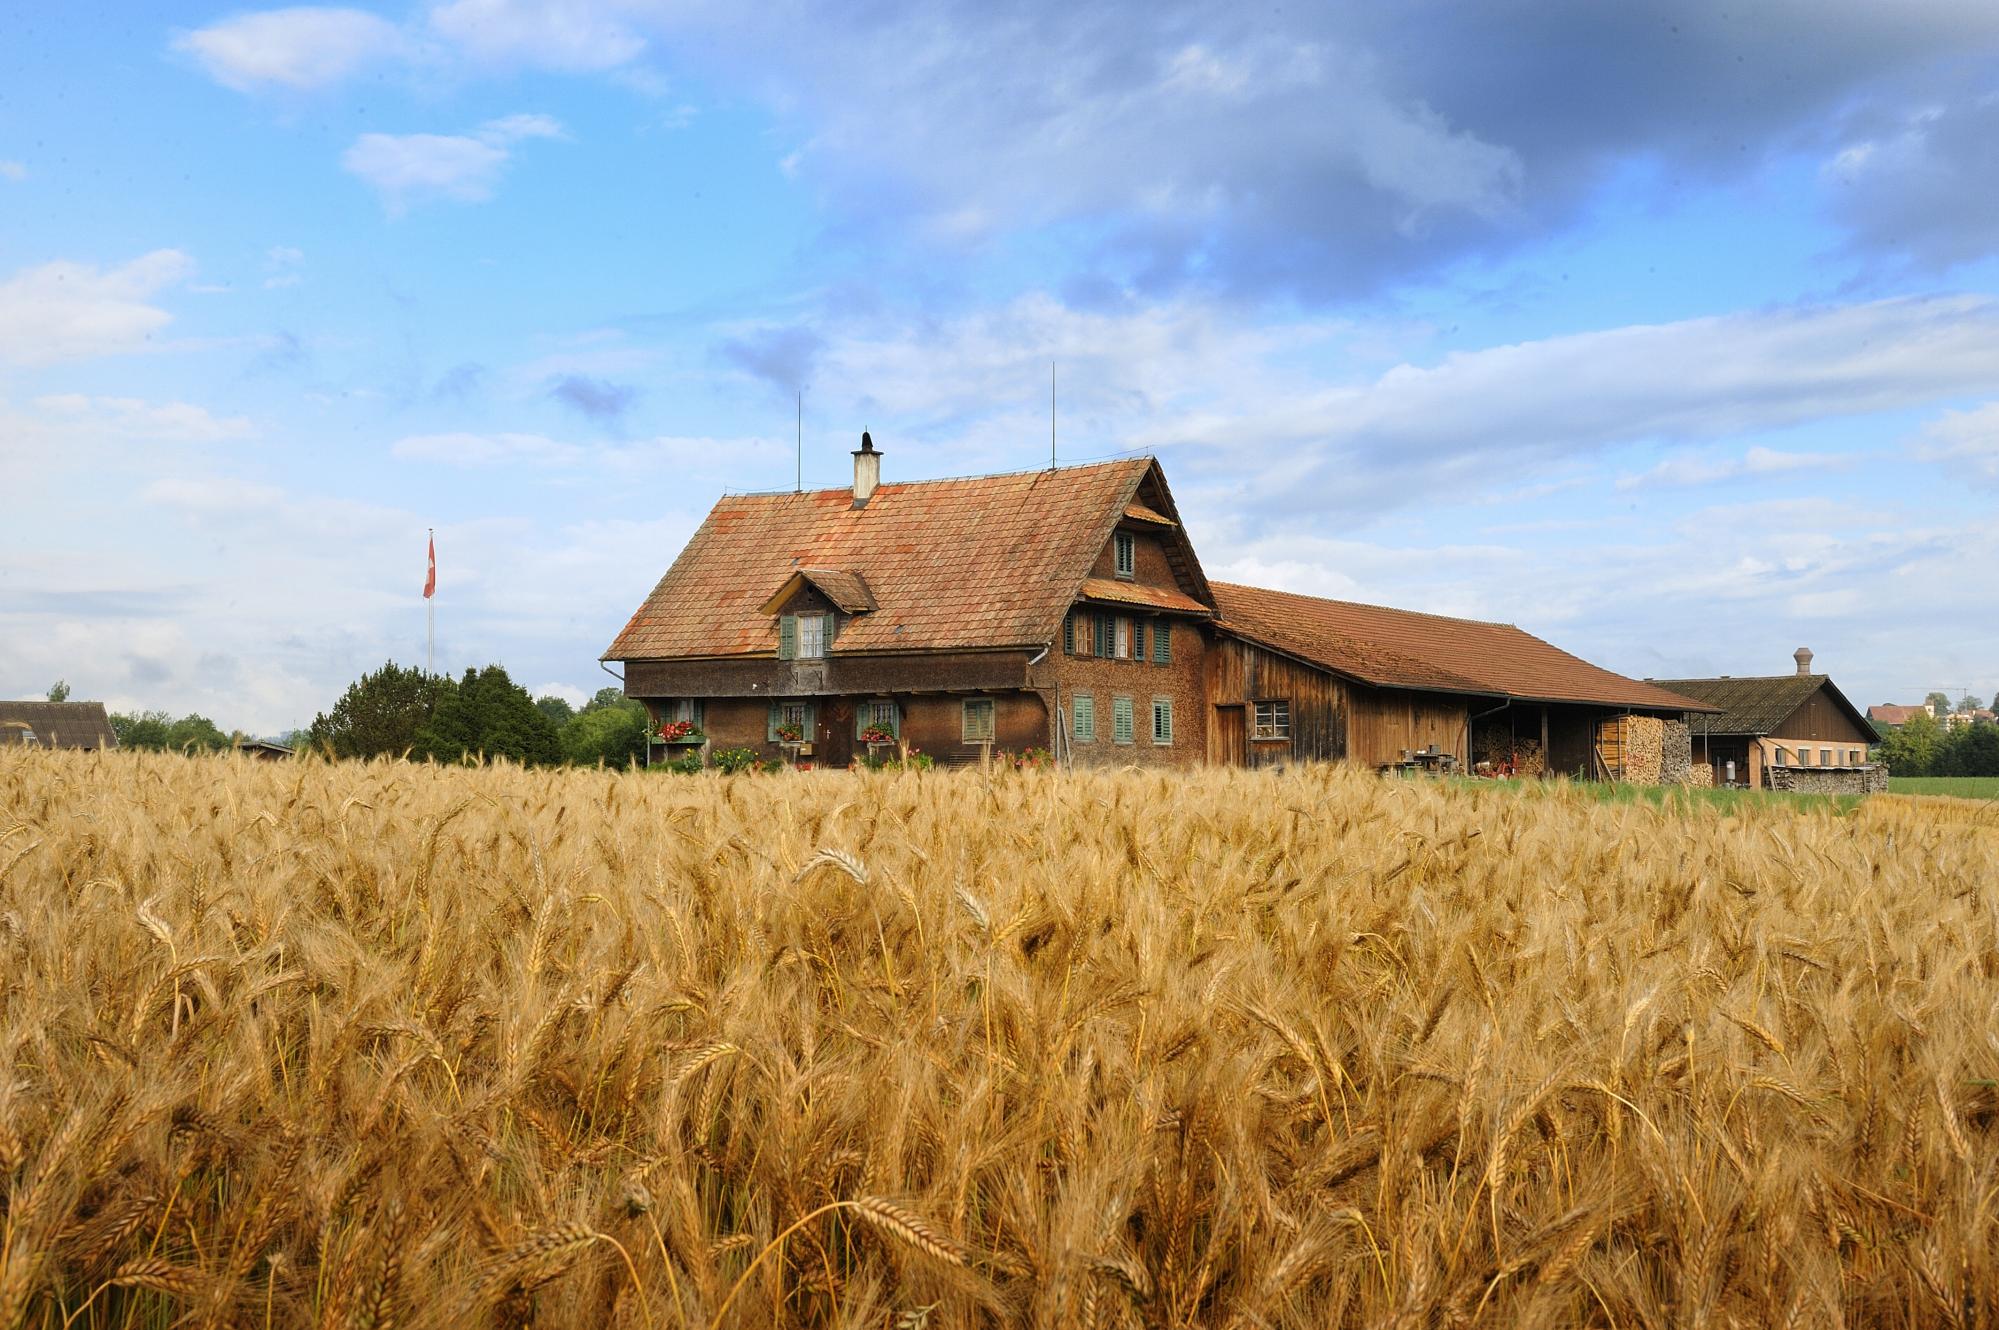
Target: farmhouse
[(1066, 610), (56, 725), (1893, 716), (1785, 731)]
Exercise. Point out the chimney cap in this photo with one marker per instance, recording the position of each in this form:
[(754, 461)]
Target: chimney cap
[(867, 444), (1803, 655)]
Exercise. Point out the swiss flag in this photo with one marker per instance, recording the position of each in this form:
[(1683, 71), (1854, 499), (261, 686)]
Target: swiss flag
[(430, 578)]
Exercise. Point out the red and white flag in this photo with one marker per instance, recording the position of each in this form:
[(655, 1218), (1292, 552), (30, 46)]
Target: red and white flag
[(430, 578)]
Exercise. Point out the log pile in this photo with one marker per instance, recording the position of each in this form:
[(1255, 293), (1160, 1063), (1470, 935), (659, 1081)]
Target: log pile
[(1701, 775), (1643, 743)]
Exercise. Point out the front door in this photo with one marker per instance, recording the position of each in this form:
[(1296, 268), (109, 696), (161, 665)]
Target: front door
[(836, 733), (1228, 742)]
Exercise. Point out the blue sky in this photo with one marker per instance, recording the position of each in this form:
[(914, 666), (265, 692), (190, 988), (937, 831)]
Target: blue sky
[(1668, 332)]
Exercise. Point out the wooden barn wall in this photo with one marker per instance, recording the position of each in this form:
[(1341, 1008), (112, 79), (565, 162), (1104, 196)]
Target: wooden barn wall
[(1821, 718), (1384, 721), (1239, 673)]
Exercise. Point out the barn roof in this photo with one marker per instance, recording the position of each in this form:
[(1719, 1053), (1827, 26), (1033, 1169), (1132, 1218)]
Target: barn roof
[(977, 563), (58, 724), (1430, 652), (1892, 713), (1758, 704)]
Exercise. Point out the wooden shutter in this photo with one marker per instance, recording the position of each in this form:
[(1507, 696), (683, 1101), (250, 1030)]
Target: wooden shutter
[(1162, 720), (770, 725), (1086, 718), (1101, 632), (1138, 639), (1121, 726), (1162, 643), (1069, 634), (787, 637)]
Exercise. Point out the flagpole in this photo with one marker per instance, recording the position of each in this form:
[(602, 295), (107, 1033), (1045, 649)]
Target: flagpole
[(430, 622)]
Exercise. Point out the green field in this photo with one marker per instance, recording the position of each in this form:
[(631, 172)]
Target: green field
[(1961, 787)]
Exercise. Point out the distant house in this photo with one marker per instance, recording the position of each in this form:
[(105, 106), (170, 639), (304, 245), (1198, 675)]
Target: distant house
[(1773, 727), (1893, 716), (264, 750), (56, 725), (1066, 609), (1976, 716)]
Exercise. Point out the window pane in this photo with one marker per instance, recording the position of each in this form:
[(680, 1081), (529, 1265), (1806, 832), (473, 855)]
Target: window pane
[(811, 635), (1123, 639), (978, 723)]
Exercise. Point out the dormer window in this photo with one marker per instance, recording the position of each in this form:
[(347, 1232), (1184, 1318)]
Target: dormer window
[(811, 636), (1127, 554)]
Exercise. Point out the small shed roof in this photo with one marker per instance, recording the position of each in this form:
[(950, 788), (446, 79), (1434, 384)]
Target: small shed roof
[(57, 724), (1430, 652), (1758, 704)]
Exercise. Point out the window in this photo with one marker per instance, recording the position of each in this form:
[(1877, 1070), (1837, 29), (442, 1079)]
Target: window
[(1273, 720), (1123, 637), (1100, 627), (1162, 643), (1121, 720), (978, 723), (1138, 639), (811, 636), (802, 716), (1162, 720), (880, 713), (1825, 757), (682, 708), (1127, 553), (1085, 710), (1853, 757), (1783, 758)]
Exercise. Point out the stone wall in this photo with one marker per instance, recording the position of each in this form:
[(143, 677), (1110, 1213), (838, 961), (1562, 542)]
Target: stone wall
[(1826, 780)]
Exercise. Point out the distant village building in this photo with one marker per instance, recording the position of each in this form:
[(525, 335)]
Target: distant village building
[(1785, 731), (1891, 716), (56, 725), (1067, 610)]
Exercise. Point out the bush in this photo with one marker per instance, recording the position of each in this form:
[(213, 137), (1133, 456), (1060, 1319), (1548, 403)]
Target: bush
[(732, 760), (686, 765)]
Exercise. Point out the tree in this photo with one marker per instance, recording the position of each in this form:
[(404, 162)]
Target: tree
[(612, 732), (557, 710), (1967, 704), (379, 713), (1911, 748), (607, 697), (489, 714), (141, 729), (195, 734), (1938, 703), (59, 691)]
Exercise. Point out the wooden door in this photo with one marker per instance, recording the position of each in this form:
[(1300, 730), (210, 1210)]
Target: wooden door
[(1228, 741), (836, 733)]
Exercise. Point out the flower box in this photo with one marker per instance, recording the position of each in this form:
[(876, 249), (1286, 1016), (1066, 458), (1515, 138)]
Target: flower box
[(680, 732)]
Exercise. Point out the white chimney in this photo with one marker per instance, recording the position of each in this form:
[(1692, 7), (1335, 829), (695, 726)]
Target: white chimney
[(867, 471), (1803, 655)]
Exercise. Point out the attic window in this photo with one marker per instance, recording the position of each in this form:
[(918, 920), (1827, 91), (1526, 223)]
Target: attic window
[(811, 636), (1127, 554)]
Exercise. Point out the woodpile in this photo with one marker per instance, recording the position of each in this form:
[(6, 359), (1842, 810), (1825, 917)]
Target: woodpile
[(1701, 775), (1643, 743), (1676, 754)]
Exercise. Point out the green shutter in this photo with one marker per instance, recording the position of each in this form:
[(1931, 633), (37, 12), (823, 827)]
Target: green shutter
[(1069, 634), (771, 723), (1121, 727), (787, 637), (1162, 720), (1086, 718), (1103, 634), (1162, 643), (1138, 639)]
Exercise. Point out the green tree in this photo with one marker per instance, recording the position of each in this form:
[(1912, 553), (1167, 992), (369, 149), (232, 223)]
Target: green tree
[(1911, 748), (195, 734), (1938, 703), (59, 691), (557, 710), (608, 697), (379, 713), (141, 729), (1967, 703), (489, 714), (609, 731)]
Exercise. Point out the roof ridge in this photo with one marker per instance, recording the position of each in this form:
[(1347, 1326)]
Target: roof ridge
[(940, 480), (1370, 605)]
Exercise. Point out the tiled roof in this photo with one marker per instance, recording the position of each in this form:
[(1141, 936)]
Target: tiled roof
[(1889, 713), (1138, 512), (1758, 704), (1404, 649), (58, 724), (847, 590), (982, 562), (1131, 593)]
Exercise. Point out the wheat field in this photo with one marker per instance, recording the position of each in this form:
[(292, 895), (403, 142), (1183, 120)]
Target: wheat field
[(381, 1045)]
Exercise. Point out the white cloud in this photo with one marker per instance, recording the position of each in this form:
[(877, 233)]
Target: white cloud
[(1967, 442), (573, 35), (1709, 470), (281, 267), (10, 170), (568, 692), (302, 48), (407, 169), (73, 311), (132, 418)]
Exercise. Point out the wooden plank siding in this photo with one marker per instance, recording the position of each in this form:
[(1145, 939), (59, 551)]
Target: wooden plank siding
[(1386, 721), (1238, 674), (1821, 719)]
